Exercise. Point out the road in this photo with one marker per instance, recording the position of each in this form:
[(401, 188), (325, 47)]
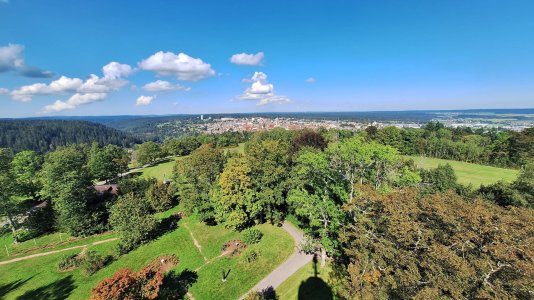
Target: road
[(296, 261)]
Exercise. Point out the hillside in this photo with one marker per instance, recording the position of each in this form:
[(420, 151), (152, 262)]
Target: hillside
[(46, 135)]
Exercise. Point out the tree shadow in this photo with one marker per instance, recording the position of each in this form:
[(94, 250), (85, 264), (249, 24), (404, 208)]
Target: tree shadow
[(12, 286), (314, 288), (175, 286), (58, 290), (268, 294), (167, 224)]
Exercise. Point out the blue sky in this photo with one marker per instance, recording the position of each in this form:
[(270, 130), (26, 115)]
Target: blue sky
[(296, 56)]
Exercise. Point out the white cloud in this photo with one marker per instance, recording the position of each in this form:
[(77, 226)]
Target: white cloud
[(12, 59), (247, 59), (93, 89), (144, 100), (262, 91), (74, 101), (181, 65), (162, 85), (115, 70), (62, 85), (310, 80), (4, 91)]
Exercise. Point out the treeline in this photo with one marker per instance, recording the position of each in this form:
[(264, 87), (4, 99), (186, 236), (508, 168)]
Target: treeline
[(47, 135), (389, 229), (494, 147)]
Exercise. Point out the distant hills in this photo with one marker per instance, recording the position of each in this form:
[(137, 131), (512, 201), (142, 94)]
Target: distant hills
[(46, 135)]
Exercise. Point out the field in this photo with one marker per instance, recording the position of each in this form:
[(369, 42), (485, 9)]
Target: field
[(38, 278), (469, 173), (162, 170)]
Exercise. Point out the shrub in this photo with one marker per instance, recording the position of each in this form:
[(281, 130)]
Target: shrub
[(93, 262), (252, 236), (160, 196), (251, 255), (22, 235), (69, 262)]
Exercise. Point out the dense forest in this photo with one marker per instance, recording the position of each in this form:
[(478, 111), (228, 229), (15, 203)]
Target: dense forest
[(46, 135)]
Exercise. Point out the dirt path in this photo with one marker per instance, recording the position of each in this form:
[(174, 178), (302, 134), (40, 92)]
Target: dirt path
[(197, 244), (296, 261), (55, 251)]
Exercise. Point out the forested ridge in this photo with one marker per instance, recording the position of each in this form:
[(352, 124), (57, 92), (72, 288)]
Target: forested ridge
[(46, 135)]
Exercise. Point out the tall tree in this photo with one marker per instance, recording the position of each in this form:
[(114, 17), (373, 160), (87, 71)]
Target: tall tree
[(7, 188), (26, 165), (107, 162), (195, 176), (148, 152), (316, 196), (67, 182)]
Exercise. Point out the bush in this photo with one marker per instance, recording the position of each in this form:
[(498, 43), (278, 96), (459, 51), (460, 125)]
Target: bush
[(160, 196), (252, 236), (93, 262), (69, 262), (22, 235), (251, 255)]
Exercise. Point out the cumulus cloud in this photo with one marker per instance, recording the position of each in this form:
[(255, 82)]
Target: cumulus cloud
[(111, 81), (62, 85), (144, 100), (74, 101), (262, 91), (247, 59), (310, 80), (181, 65), (162, 86), (12, 59)]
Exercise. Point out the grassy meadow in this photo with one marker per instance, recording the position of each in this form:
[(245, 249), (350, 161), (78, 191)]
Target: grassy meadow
[(469, 173), (38, 278)]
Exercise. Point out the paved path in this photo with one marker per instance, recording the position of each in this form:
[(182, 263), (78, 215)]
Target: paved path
[(55, 251), (296, 261)]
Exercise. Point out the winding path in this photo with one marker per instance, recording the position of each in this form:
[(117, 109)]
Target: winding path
[(296, 261), (55, 251)]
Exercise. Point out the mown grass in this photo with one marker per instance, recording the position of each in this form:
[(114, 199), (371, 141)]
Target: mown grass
[(469, 173), (45, 243), (305, 284), (162, 170), (39, 278)]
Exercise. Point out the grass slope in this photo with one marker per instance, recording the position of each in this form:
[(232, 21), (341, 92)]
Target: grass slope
[(38, 278), (469, 173)]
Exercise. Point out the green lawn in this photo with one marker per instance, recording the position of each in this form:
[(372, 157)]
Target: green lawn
[(38, 278), (305, 285), (162, 170), (469, 173)]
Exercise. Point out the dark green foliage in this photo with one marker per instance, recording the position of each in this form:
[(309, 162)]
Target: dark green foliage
[(7, 188), (148, 152), (69, 262), (160, 196), (251, 256), (130, 217), (137, 186), (252, 236), (92, 262), (194, 177), (22, 235), (26, 165), (441, 178), (40, 220), (519, 193), (180, 147), (107, 162), (67, 183), (46, 135)]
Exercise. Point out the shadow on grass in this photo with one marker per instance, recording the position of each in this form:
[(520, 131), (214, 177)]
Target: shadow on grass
[(314, 288), (175, 286), (167, 224), (58, 290), (12, 286)]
